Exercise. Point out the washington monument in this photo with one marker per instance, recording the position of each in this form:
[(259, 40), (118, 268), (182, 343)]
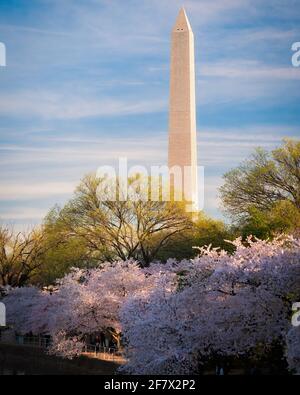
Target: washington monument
[(182, 116)]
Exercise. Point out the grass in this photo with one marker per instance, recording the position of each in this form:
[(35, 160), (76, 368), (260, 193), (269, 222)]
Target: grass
[(15, 359)]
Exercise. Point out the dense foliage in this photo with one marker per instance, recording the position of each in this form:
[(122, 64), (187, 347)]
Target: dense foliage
[(177, 316), (263, 194)]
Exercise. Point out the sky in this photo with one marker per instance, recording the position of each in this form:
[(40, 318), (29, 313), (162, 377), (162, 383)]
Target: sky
[(87, 81)]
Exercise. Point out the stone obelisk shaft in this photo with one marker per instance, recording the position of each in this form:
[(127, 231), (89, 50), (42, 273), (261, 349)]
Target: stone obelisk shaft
[(182, 117)]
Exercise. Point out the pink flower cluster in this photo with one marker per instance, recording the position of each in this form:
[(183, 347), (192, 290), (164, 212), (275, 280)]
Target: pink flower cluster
[(173, 316)]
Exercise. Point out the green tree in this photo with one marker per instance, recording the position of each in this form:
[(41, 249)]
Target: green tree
[(120, 229), (22, 255), (215, 232), (205, 231), (283, 217), (262, 195), (56, 262)]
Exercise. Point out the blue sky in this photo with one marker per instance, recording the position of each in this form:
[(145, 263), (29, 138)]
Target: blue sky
[(88, 81)]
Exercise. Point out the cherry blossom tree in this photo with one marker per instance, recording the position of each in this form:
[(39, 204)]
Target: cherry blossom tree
[(216, 305), (20, 306), (84, 302), (175, 317)]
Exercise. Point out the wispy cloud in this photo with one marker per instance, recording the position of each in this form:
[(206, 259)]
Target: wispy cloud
[(49, 105), (88, 82), (24, 214), (249, 70), (20, 191), (99, 152)]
